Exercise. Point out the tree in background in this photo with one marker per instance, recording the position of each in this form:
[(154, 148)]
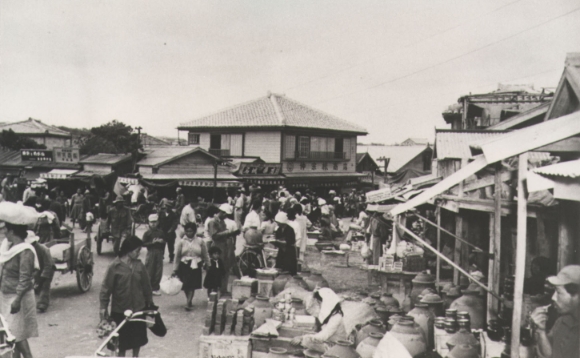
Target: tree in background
[(114, 137), (11, 140)]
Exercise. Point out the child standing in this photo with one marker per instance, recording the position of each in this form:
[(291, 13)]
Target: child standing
[(215, 271)]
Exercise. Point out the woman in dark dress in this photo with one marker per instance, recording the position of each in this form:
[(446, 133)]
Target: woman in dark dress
[(286, 242), (190, 256)]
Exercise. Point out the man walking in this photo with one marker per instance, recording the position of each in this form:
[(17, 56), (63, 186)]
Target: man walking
[(168, 224), (119, 223), (154, 241)]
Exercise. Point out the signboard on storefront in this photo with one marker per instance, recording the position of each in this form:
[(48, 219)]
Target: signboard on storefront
[(36, 155), (259, 169), (66, 155), (209, 183)]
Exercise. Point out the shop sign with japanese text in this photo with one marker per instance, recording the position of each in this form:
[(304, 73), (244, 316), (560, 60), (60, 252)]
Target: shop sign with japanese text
[(36, 155), (259, 168)]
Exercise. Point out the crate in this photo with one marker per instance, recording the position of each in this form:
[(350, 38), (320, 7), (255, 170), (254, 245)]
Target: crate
[(224, 346), (243, 289)]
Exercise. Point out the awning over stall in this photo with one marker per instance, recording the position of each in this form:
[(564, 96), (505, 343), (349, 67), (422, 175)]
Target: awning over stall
[(58, 174)]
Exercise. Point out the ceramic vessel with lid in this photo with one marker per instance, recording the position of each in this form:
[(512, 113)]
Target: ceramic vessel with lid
[(276, 352), (473, 304), (422, 281), (367, 347), (342, 349), (393, 320), (389, 301), (374, 325), (425, 319), (435, 303), (464, 351), (310, 353), (410, 336), (383, 313), (315, 280), (463, 336), (262, 310), (451, 295)]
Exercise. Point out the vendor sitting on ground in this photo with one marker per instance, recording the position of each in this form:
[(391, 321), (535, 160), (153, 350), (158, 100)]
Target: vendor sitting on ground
[(325, 306)]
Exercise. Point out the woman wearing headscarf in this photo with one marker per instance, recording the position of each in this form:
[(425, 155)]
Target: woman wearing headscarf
[(286, 243), (325, 306), (18, 262), (126, 286), (190, 256)]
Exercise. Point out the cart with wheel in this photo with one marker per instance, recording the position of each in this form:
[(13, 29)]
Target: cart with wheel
[(74, 256), (103, 234)]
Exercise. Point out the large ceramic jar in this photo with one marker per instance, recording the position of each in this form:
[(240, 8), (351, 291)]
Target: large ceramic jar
[(280, 282), (425, 319), (310, 353), (453, 293), (374, 325), (464, 351), (422, 281), (367, 347), (410, 336), (474, 305), (463, 336), (315, 280), (393, 320), (342, 349), (262, 310), (383, 313), (389, 301), (435, 304), (297, 282), (276, 352)]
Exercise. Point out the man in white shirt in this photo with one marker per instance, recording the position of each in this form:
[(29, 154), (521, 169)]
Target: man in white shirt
[(187, 216), (253, 217), (239, 207)]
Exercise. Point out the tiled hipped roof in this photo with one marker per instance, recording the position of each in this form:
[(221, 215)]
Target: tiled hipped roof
[(34, 126), (273, 111)]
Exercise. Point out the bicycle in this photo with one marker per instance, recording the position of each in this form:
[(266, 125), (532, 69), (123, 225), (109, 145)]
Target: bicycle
[(255, 257), (112, 341)]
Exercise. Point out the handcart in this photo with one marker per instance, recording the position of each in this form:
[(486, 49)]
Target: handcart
[(72, 255)]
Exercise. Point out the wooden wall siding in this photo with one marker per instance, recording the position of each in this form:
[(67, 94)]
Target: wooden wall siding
[(196, 163), (266, 145), (447, 167)]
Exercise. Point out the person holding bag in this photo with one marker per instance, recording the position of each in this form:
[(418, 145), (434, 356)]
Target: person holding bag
[(190, 256)]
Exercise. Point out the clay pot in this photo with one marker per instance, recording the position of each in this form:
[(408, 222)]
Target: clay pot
[(383, 313), (393, 320), (342, 349), (315, 280), (297, 282), (309, 353), (262, 310), (275, 352), (280, 282), (475, 287), (472, 303), (374, 326), (451, 295), (425, 319), (494, 330), (435, 303), (464, 351), (422, 281), (253, 237), (367, 347), (463, 337), (410, 336), (388, 300)]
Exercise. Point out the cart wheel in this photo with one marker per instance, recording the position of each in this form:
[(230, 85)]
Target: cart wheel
[(84, 268), (248, 262)]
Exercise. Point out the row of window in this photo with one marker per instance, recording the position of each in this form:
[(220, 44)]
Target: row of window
[(295, 147)]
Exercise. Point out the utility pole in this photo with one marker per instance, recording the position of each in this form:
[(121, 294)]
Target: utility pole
[(386, 160)]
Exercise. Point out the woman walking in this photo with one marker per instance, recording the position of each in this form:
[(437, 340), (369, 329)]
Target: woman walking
[(76, 213), (286, 242), (17, 303), (127, 287), (190, 256)]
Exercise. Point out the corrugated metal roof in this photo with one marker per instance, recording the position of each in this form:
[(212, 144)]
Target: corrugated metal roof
[(105, 158), (160, 155), (323, 175), (150, 141), (570, 169), (399, 154), (273, 111), (34, 126), (453, 144)]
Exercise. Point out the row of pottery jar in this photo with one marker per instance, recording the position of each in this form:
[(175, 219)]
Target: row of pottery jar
[(410, 334), (421, 282)]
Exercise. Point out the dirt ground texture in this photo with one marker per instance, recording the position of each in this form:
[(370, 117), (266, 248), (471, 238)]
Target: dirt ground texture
[(68, 328)]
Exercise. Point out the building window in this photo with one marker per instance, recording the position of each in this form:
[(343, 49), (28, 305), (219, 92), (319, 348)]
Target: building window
[(317, 148), (193, 138), (226, 145), (303, 147)]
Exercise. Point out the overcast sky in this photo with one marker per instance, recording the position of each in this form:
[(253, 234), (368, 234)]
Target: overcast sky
[(391, 66)]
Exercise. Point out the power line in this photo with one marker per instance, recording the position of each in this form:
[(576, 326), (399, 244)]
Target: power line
[(453, 58), (407, 46)]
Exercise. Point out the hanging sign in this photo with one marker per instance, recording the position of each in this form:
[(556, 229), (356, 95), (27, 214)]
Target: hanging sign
[(259, 168), (36, 155), (66, 155), (209, 183)]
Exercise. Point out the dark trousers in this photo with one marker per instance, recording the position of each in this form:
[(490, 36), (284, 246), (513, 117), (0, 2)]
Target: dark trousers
[(154, 267), (43, 291), (171, 245)]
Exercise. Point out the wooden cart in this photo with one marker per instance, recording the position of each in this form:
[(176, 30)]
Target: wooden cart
[(72, 255)]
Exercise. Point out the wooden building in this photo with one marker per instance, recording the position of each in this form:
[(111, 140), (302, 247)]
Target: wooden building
[(51, 136), (311, 148), (401, 162)]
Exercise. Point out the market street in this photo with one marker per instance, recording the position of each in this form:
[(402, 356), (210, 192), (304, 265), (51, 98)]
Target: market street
[(68, 328)]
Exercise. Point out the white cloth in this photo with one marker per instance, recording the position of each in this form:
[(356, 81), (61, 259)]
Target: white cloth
[(7, 252), (281, 218), (297, 232), (187, 215), (252, 220), (329, 302), (325, 210), (22, 325), (231, 225)]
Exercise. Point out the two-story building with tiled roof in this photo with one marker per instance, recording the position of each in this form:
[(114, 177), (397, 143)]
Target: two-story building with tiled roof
[(51, 136), (306, 147)]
